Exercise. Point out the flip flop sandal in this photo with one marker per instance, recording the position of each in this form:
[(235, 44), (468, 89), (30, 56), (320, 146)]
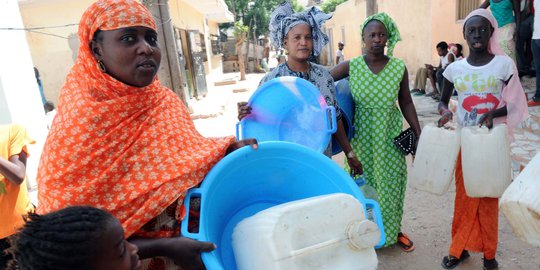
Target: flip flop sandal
[(451, 262), (419, 93), (405, 243)]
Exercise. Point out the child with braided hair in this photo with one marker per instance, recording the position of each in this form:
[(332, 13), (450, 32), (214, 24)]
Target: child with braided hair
[(77, 237)]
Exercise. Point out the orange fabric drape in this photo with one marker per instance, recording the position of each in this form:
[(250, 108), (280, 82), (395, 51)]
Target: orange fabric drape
[(476, 221), (131, 151)]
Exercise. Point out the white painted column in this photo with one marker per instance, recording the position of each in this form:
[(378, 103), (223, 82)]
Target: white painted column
[(20, 101)]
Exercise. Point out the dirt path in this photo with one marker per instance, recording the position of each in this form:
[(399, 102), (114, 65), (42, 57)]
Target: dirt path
[(427, 218)]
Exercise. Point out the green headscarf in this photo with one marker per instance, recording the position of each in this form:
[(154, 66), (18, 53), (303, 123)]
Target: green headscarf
[(391, 28)]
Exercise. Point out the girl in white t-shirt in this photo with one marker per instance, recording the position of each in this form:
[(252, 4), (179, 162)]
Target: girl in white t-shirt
[(489, 92), (479, 87)]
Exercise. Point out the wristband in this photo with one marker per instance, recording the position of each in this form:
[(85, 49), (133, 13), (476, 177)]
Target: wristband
[(351, 154), (442, 111)]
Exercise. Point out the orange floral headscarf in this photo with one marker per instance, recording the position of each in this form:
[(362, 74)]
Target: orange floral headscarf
[(131, 151)]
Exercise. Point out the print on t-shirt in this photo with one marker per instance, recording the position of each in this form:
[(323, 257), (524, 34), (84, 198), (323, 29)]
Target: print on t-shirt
[(479, 87)]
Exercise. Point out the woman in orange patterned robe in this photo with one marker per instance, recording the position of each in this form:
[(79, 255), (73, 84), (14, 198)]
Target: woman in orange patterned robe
[(123, 142)]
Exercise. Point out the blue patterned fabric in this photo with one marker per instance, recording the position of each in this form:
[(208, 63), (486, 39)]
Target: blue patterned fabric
[(318, 76), (284, 18)]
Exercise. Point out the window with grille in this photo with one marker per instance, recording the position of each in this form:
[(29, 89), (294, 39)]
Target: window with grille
[(216, 44), (203, 47), (464, 7)]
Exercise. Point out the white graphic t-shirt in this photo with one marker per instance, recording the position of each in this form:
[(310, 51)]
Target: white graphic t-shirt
[(479, 87)]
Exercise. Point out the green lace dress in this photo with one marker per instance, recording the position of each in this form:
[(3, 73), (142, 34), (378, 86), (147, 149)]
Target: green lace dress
[(378, 120)]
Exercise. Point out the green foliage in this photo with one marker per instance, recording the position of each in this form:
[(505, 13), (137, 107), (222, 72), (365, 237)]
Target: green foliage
[(330, 5), (256, 13), (240, 29)]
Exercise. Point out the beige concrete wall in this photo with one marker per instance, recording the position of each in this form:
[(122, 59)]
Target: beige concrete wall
[(348, 16), (51, 54), (187, 17), (422, 24), (216, 60), (414, 24), (453, 28)]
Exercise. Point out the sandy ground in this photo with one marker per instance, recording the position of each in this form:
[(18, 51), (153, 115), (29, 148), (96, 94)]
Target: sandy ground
[(427, 218)]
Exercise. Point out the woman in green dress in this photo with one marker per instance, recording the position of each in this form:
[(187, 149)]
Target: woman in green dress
[(377, 80)]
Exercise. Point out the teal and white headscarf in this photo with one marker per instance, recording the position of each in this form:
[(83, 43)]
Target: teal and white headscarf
[(391, 28), (284, 18)]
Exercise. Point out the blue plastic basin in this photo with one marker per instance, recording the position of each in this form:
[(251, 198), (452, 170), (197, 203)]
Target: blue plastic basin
[(248, 181), (346, 105), (289, 109)]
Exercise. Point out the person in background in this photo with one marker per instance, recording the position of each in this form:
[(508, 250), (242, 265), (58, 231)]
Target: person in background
[(523, 38), (431, 72), (266, 56), (495, 96), (281, 57), (301, 35), (50, 113), (457, 51), (535, 45), (447, 57), (123, 142), (266, 52), (77, 237), (378, 82), (14, 200), (40, 86), (508, 16), (340, 57)]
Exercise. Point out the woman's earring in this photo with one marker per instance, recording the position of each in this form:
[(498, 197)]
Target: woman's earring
[(286, 52), (101, 66)]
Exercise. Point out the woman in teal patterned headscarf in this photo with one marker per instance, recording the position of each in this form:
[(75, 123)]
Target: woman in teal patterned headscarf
[(377, 81)]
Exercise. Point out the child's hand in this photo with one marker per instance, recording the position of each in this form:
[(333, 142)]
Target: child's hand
[(446, 116), (486, 120), (186, 252), (243, 110), (239, 144)]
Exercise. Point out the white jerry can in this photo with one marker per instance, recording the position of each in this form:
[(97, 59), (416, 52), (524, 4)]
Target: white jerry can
[(325, 232), (435, 160), (520, 203), (485, 156)]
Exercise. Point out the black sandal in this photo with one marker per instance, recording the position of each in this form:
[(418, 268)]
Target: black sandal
[(491, 264), (451, 262)]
